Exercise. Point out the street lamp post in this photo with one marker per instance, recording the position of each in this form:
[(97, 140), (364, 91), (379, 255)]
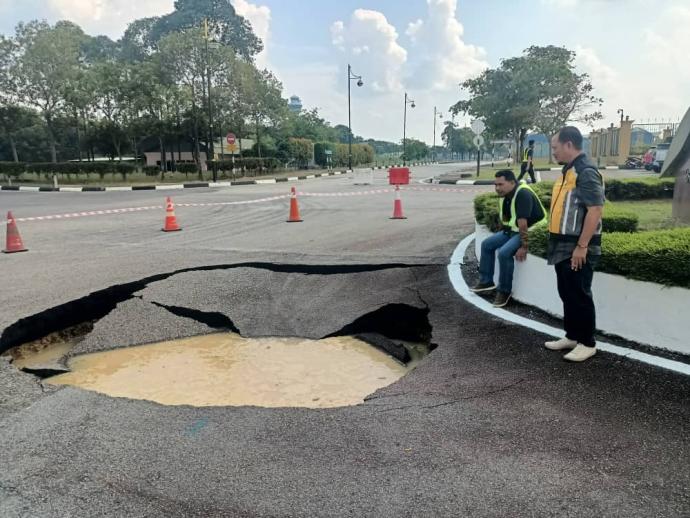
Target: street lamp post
[(210, 105), (452, 133), (411, 103), (433, 147), (350, 77)]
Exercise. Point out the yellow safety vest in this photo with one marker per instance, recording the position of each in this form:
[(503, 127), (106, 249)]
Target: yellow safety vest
[(525, 158), (567, 214), (513, 215)]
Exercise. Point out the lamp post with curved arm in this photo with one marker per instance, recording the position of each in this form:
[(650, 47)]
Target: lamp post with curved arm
[(433, 147), (412, 105), (350, 77)]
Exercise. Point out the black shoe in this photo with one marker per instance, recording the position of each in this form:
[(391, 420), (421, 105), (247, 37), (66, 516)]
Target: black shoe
[(483, 286), (501, 299)]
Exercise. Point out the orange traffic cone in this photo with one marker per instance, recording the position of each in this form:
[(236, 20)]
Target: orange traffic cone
[(170, 219), (397, 205), (14, 240), (294, 208)]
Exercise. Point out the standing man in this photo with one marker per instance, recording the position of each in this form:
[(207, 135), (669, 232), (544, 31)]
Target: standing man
[(574, 247), (519, 210), (527, 165)]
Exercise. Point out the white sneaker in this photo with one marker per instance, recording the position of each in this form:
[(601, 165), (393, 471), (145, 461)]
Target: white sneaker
[(580, 353), (559, 345)]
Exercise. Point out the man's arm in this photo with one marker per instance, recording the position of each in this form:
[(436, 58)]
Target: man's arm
[(589, 227), (521, 254)]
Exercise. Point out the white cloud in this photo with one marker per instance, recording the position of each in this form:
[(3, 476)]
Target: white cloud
[(605, 77), (443, 59), (371, 45), (654, 85), (259, 16), (109, 17)]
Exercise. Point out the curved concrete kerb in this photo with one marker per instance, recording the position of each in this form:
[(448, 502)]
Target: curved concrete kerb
[(463, 290)]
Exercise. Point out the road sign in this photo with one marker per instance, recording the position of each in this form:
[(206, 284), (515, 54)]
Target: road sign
[(232, 148), (230, 139), (477, 126), (478, 140)]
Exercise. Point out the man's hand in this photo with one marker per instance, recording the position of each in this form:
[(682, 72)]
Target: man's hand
[(578, 259), (521, 254)]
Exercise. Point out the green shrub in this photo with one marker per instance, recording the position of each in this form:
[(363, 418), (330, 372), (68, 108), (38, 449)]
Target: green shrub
[(618, 220), (320, 148), (249, 164), (642, 189), (186, 168), (12, 168), (660, 256), (151, 170)]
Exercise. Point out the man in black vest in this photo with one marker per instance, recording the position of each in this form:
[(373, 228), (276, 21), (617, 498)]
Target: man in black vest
[(574, 248)]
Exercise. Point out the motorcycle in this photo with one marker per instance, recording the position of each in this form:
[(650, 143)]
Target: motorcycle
[(633, 162)]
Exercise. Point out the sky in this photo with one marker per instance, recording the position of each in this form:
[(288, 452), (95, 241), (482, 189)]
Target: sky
[(636, 51)]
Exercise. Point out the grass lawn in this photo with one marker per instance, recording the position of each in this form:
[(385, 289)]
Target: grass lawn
[(653, 214)]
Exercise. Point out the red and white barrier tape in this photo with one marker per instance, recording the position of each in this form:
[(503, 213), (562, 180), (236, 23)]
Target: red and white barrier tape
[(229, 203)]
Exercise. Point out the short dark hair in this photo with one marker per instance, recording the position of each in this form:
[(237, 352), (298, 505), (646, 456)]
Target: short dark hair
[(570, 134), (530, 142), (508, 174)]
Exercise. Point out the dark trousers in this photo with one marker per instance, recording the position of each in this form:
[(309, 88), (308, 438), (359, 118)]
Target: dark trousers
[(575, 290), (523, 170)]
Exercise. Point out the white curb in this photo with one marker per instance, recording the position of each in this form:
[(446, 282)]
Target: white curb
[(463, 290)]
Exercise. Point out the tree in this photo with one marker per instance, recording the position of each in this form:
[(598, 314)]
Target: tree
[(415, 149), (48, 61), (301, 150), (136, 43), (182, 56), (564, 95), (225, 26), (265, 105), (538, 90), (109, 98), (14, 119), (505, 98)]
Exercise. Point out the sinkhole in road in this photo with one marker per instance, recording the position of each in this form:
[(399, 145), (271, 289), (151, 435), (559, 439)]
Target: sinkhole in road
[(225, 369)]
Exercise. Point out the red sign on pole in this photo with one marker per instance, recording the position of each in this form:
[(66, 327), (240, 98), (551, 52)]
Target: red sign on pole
[(230, 138)]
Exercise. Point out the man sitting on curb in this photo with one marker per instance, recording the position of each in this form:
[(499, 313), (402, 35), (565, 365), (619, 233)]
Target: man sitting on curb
[(519, 209)]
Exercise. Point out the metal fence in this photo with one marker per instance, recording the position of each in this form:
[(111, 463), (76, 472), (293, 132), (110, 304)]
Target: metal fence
[(650, 134)]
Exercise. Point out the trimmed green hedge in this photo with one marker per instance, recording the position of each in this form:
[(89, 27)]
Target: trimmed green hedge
[(17, 168), (643, 189), (249, 164), (626, 189), (660, 256)]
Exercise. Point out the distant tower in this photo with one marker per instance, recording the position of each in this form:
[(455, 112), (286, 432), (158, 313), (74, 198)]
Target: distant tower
[(295, 104)]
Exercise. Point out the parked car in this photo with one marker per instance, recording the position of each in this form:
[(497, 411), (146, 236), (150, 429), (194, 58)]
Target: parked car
[(660, 156)]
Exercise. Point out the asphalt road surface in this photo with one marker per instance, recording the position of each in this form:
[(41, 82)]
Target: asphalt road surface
[(489, 424)]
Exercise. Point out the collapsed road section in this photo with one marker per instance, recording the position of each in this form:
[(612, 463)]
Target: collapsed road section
[(257, 334)]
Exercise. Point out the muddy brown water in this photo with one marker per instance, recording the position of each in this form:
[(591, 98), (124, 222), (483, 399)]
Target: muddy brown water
[(226, 369)]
